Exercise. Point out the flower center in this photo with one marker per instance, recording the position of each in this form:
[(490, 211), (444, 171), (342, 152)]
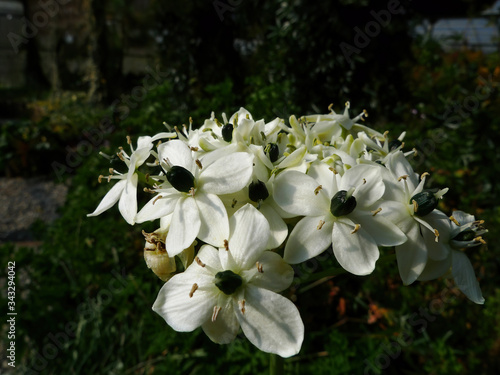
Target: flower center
[(227, 132), (342, 203), (257, 191), (228, 281), (425, 202), (180, 178)]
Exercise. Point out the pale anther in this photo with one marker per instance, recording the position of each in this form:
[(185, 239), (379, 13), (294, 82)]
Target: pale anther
[(452, 219), (233, 203), (330, 106), (198, 163), (193, 289), (100, 178), (259, 267), (356, 228), (404, 177), (111, 171), (129, 141), (425, 174), (194, 148), (215, 313), (226, 245), (242, 305), (376, 211), (364, 181), (156, 199), (320, 225), (415, 205), (333, 170), (199, 262), (480, 239), (191, 192), (436, 233), (317, 190)]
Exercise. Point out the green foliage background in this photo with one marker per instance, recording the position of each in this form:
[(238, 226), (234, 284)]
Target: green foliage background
[(352, 323)]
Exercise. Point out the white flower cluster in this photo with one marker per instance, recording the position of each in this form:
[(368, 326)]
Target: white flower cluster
[(227, 193)]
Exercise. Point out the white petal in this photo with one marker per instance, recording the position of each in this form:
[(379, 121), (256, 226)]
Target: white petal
[(383, 232), (307, 241), (356, 252), (276, 275), (399, 166), (324, 176), (182, 312), (184, 227), (294, 192), (464, 276), (225, 328), (279, 229), (110, 198), (214, 227), (249, 234), (228, 174), (367, 180), (177, 153), (412, 255), (158, 207), (271, 322), (435, 268), (128, 200)]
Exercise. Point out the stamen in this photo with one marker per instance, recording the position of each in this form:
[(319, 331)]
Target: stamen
[(330, 106), (356, 228), (109, 178), (156, 199), (226, 245), (454, 221), (259, 267), (242, 306), (333, 170), (347, 104), (480, 239), (425, 174), (100, 178), (193, 289), (436, 233), (234, 203), (385, 134), (364, 113), (415, 152), (376, 211), (415, 205), (199, 262), (215, 313), (404, 177), (191, 191), (129, 141), (147, 177), (364, 181), (119, 154), (320, 225), (198, 163), (111, 171), (194, 149), (317, 190)]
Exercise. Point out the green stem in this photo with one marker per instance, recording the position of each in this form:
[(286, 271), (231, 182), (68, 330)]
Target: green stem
[(276, 365)]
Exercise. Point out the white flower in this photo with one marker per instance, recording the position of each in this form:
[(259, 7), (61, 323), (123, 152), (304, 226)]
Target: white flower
[(461, 229), (414, 219), (125, 190), (236, 286), (341, 211), (192, 197)]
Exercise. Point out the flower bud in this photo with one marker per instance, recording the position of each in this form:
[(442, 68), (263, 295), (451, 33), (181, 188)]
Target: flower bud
[(342, 204), (180, 178)]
